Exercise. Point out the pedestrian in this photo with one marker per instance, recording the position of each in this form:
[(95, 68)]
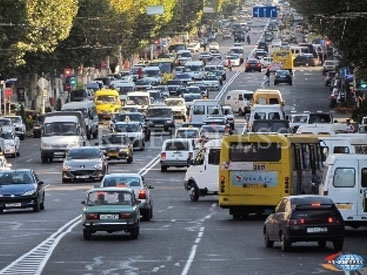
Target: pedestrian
[(267, 77), (350, 127), (248, 40), (140, 72), (229, 64)]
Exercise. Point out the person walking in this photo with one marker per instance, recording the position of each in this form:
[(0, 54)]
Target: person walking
[(248, 40), (267, 76), (229, 64)]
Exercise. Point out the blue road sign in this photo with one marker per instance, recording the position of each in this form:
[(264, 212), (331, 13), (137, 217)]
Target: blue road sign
[(265, 11)]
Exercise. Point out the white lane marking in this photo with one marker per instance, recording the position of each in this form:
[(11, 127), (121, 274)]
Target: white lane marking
[(190, 260), (35, 260), (29, 160)]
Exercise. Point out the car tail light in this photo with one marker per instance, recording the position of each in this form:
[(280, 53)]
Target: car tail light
[(92, 216), (125, 215), (163, 155), (292, 222), (330, 220), (191, 154), (142, 195)]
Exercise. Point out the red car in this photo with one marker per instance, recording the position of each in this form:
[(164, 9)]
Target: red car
[(252, 64)]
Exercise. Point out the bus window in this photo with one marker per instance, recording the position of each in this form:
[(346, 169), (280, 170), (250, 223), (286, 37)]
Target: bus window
[(341, 150), (364, 177), (344, 177), (255, 152)]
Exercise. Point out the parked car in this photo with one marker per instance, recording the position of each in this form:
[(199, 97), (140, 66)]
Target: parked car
[(84, 163), (21, 189), (304, 218), (111, 209), (138, 184)]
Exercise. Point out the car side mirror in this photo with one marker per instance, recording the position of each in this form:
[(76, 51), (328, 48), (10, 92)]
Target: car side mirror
[(83, 202)]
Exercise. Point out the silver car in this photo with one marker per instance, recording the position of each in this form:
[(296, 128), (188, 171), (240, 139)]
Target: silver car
[(137, 183), (84, 163)]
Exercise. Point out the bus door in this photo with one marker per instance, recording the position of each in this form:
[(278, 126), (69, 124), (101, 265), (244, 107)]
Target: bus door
[(362, 192)]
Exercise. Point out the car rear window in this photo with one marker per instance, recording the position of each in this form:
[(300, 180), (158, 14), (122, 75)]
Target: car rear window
[(177, 146)]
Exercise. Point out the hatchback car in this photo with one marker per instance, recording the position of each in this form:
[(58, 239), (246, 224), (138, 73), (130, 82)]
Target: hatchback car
[(282, 76), (307, 218), (117, 146), (176, 152), (84, 163), (133, 130), (138, 184), (20, 129), (111, 209), (252, 64), (9, 143), (21, 189), (37, 126)]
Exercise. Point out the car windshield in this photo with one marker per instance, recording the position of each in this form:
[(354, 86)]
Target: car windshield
[(121, 181), (212, 129), (16, 177), (159, 113), (143, 82), (128, 127), (114, 139), (177, 145), (84, 111), (130, 117), (191, 97), (185, 54), (174, 102), (15, 119), (299, 119), (319, 118), (106, 98), (5, 122), (187, 134), (283, 72), (60, 129), (109, 198), (83, 153), (173, 82), (183, 76), (210, 77), (138, 100), (7, 135), (151, 73), (194, 68)]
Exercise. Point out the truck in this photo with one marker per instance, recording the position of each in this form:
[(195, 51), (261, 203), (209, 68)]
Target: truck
[(60, 132)]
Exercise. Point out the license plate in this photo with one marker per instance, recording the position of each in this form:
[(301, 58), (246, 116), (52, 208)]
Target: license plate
[(344, 206), (316, 229), (18, 204), (82, 177), (159, 125), (109, 216)]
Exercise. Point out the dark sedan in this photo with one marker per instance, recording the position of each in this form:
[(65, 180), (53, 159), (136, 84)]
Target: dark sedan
[(308, 218), (282, 76), (21, 189)]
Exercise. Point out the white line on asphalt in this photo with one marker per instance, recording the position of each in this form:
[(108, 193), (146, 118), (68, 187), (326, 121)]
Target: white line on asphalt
[(29, 160)]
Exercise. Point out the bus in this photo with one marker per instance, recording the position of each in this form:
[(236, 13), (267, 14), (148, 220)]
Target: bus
[(257, 170), (166, 65), (285, 57)]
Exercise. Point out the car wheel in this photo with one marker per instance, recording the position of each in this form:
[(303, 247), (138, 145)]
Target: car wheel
[(50, 159), (37, 207), (42, 205), (134, 233), (65, 180), (1, 210), (194, 193), (275, 83), (151, 212), (338, 244), (321, 244), (268, 242), (44, 159), (146, 215), (129, 160), (22, 137), (284, 243), (290, 83), (236, 216), (86, 234), (95, 133), (163, 168)]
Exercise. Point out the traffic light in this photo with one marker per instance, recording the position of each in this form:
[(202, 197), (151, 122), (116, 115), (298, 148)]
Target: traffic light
[(72, 81), (363, 85)]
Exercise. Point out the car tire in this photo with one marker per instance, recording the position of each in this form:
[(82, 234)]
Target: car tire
[(63, 180), (146, 215), (338, 244), (42, 205), (275, 83), (95, 133), (151, 212), (236, 216), (268, 242), (290, 83), (134, 233), (37, 207), (44, 159), (194, 193), (284, 243), (129, 160), (86, 234), (22, 137), (321, 244), (163, 168)]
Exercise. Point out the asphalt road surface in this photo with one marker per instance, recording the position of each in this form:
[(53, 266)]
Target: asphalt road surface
[(183, 237)]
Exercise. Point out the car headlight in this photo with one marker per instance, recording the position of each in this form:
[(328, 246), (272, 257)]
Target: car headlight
[(98, 166), (127, 150), (29, 193), (65, 166)]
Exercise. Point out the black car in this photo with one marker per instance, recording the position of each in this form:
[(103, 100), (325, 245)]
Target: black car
[(239, 36), (160, 118), (304, 60), (282, 76), (132, 116), (173, 86), (263, 45), (21, 189), (309, 218), (37, 126)]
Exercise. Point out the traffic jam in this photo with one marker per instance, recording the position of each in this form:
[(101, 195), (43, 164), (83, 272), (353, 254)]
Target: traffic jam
[(247, 135)]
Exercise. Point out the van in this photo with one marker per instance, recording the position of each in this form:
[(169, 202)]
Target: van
[(345, 182), (107, 102), (60, 132), (267, 96), (91, 120), (322, 128), (81, 95), (123, 88), (201, 177), (177, 152), (266, 112), (335, 145), (140, 100), (239, 100), (201, 109)]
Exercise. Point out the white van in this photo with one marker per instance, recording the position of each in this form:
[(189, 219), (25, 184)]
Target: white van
[(91, 120), (201, 109), (140, 100), (260, 111), (239, 100), (345, 182), (201, 177), (335, 145), (322, 128), (177, 152)]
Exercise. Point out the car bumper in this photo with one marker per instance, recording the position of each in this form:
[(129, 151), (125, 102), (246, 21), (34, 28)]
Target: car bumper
[(18, 202), (177, 163), (82, 174), (53, 153), (299, 234), (109, 226)]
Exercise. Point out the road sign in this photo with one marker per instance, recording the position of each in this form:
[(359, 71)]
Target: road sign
[(8, 92), (42, 83), (265, 11)]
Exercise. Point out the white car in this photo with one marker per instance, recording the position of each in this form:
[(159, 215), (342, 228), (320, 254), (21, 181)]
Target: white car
[(214, 131), (9, 143), (266, 61), (178, 106), (212, 82), (187, 132), (213, 45), (19, 125), (133, 130), (6, 124), (330, 65), (235, 60), (194, 47), (177, 152)]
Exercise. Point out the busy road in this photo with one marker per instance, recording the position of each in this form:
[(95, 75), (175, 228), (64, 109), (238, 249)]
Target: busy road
[(183, 237)]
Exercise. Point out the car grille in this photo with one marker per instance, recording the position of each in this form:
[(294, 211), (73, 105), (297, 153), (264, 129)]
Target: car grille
[(82, 172), (177, 112), (8, 199), (159, 122)]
